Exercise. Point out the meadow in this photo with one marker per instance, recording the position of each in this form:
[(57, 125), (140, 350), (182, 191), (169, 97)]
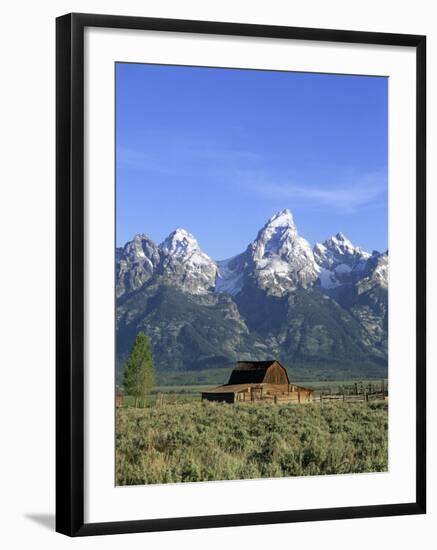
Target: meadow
[(189, 441)]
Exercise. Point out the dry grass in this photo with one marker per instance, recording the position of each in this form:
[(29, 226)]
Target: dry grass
[(215, 441)]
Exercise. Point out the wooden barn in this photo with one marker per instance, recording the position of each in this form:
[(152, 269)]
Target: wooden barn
[(259, 381)]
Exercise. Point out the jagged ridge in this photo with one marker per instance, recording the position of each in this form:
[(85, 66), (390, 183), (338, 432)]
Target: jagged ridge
[(253, 300)]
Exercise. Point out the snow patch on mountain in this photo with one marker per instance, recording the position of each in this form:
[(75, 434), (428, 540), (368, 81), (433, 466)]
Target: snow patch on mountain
[(284, 218), (180, 244), (327, 278), (278, 261), (376, 273), (343, 268), (230, 276), (135, 263), (185, 265), (339, 261), (282, 259)]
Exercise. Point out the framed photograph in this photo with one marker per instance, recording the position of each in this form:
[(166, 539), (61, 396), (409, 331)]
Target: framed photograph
[(240, 274)]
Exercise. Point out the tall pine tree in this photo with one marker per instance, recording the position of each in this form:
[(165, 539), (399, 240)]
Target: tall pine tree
[(139, 371)]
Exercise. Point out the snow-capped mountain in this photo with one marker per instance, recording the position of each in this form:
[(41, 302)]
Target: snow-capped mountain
[(283, 260), (339, 261), (278, 261), (231, 275), (184, 265), (326, 305), (178, 261), (375, 273), (136, 263)]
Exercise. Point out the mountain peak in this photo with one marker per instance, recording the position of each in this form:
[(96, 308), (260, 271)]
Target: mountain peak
[(179, 243), (340, 244), (136, 263), (283, 260), (181, 234), (339, 260), (277, 237), (141, 237), (284, 218), (140, 247), (339, 239), (184, 265)]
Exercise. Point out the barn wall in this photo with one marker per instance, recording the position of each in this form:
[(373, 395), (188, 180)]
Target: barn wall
[(276, 375), (305, 396)]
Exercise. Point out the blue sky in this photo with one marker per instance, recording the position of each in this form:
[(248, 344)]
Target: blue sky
[(219, 151)]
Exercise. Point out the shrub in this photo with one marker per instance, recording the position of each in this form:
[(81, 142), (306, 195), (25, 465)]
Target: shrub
[(195, 441)]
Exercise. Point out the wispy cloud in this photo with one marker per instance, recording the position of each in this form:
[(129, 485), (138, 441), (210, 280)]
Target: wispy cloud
[(361, 191), (245, 169), (144, 161), (185, 158), (233, 157)]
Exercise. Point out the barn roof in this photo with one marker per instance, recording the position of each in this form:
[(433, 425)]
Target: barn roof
[(255, 365), (252, 372)]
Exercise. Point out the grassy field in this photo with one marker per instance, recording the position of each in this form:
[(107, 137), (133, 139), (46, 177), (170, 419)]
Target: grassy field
[(194, 441)]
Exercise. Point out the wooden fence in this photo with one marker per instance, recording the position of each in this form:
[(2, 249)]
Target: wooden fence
[(350, 393), (350, 398)]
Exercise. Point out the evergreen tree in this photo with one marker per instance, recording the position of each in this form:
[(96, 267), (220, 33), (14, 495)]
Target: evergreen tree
[(139, 370)]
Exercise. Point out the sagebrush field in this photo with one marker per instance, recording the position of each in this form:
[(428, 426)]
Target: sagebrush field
[(185, 442)]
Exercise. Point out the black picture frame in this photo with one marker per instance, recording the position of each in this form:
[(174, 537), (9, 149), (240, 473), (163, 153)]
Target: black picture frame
[(70, 273)]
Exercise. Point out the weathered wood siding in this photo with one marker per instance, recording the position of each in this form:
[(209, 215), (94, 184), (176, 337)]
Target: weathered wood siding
[(276, 374), (257, 381)]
